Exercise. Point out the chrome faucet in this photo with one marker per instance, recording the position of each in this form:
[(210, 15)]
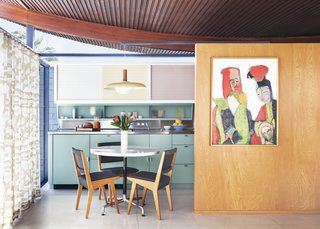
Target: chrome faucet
[(147, 125)]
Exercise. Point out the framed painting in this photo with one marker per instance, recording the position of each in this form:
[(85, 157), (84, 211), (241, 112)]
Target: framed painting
[(244, 107)]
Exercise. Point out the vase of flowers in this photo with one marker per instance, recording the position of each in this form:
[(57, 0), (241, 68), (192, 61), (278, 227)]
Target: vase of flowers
[(123, 122), (124, 139)]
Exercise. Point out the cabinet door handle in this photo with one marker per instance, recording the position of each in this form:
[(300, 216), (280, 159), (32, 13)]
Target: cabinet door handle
[(186, 135), (186, 146), (88, 159), (185, 165)]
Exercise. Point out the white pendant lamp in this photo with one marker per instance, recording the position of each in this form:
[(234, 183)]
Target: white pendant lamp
[(125, 87)]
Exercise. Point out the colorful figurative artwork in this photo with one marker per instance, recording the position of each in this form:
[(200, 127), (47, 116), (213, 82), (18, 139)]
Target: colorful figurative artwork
[(244, 101)]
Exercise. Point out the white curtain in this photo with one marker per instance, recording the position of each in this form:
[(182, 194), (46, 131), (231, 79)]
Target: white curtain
[(19, 129)]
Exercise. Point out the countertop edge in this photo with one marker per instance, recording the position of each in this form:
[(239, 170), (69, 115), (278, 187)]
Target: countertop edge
[(72, 132)]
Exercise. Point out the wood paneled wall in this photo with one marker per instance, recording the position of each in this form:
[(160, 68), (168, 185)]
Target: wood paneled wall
[(283, 178)]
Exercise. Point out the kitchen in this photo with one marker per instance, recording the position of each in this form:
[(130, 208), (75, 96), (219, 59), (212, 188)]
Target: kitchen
[(82, 100)]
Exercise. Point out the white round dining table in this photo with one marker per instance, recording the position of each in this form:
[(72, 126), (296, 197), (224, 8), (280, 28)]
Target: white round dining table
[(116, 151)]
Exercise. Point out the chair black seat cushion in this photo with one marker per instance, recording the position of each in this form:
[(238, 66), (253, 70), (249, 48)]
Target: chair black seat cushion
[(96, 176), (150, 176), (119, 170)]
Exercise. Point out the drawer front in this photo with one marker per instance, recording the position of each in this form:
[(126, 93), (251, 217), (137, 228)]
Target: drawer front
[(162, 143), (138, 140), (184, 154), (94, 139), (141, 163), (183, 174), (182, 139)]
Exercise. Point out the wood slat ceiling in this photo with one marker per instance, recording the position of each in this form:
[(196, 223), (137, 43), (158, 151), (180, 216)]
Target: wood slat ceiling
[(234, 19)]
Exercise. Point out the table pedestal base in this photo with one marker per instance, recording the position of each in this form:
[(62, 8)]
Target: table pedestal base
[(123, 199)]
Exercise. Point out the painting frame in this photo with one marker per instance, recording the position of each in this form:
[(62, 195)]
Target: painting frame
[(264, 74)]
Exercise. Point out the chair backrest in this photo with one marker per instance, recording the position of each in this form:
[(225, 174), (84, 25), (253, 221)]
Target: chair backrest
[(80, 164), (166, 163), (106, 159)]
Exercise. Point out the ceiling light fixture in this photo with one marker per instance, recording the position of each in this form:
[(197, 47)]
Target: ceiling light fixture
[(125, 87)]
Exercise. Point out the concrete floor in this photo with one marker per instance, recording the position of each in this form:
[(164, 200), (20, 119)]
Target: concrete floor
[(56, 209)]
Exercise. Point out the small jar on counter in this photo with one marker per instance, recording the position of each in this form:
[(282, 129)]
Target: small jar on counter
[(96, 124)]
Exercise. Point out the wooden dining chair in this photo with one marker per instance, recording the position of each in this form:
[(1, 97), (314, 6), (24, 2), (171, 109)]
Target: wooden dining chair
[(115, 170), (155, 181), (91, 181)]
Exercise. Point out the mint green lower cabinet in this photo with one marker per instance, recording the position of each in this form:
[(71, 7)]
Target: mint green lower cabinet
[(98, 138), (93, 165), (63, 170), (180, 139), (183, 174), (141, 163), (184, 154), (162, 143)]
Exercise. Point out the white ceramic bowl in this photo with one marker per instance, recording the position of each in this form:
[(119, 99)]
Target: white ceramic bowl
[(167, 127)]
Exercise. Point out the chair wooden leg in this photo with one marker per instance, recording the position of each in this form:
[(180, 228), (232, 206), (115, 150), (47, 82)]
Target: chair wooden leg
[(144, 194), (78, 195), (169, 197), (137, 194), (110, 194), (99, 193), (90, 192), (114, 194), (133, 189), (103, 189), (156, 202)]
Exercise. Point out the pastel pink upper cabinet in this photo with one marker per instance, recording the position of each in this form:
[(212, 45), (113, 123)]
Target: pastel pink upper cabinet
[(172, 82)]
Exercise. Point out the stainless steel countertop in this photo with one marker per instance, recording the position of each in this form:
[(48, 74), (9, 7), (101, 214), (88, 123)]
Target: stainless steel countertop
[(116, 132)]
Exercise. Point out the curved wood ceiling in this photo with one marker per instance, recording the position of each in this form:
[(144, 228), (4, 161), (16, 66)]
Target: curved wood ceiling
[(169, 26)]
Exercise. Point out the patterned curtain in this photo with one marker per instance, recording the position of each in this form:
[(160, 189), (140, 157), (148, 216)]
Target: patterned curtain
[(19, 129)]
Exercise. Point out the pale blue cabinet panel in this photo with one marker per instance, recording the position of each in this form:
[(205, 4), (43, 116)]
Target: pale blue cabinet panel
[(93, 165), (183, 174), (162, 143), (182, 139), (94, 139), (63, 169), (98, 138), (184, 154), (141, 163), (184, 164)]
